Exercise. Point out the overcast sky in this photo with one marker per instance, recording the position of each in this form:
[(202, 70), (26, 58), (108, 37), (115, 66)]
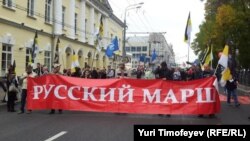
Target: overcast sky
[(168, 16)]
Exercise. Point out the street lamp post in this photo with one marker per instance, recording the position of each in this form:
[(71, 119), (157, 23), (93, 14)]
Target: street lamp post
[(132, 6)]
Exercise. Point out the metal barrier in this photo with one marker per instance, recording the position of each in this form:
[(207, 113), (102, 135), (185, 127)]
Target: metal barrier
[(244, 77)]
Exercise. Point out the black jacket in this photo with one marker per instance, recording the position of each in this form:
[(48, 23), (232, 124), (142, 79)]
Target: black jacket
[(231, 85), (165, 73)]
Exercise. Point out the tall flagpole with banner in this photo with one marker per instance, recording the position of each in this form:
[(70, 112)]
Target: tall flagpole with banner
[(99, 36), (57, 54), (187, 36), (34, 48), (56, 57), (34, 51)]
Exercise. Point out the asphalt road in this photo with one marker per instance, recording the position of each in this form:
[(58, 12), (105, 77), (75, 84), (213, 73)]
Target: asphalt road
[(88, 126)]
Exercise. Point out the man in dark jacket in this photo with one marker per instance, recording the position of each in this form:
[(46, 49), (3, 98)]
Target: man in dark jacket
[(12, 86), (139, 72), (165, 74), (231, 87)]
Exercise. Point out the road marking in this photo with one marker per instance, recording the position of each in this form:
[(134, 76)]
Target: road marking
[(56, 136)]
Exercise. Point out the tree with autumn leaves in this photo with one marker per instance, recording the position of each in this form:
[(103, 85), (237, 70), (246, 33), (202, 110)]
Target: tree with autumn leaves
[(226, 21)]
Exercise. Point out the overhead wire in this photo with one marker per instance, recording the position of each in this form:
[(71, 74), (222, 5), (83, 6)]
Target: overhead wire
[(147, 21), (145, 17), (135, 23), (143, 22)]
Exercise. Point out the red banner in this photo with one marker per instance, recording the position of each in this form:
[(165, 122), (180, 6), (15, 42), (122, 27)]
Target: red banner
[(123, 95)]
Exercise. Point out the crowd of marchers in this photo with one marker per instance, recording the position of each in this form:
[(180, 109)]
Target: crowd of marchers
[(15, 85)]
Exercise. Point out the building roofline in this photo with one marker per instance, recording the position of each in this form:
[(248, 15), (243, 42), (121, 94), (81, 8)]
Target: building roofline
[(116, 19), (108, 10)]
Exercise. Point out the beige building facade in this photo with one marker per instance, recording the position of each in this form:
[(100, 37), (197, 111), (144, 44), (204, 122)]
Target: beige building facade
[(74, 22)]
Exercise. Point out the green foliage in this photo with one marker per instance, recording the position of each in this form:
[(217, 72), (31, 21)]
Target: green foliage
[(225, 20)]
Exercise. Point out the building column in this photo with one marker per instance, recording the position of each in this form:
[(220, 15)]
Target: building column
[(98, 23), (57, 17), (105, 31), (92, 28), (82, 18), (72, 19), (99, 18)]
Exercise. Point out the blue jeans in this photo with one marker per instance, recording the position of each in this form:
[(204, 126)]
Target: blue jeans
[(234, 94), (225, 90), (23, 99)]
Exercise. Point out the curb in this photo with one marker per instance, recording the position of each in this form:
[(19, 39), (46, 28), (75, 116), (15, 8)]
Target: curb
[(5, 103), (244, 89), (2, 104)]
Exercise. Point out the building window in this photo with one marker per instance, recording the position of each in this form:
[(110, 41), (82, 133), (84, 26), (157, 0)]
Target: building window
[(127, 49), (133, 49), (139, 49), (28, 52), (144, 48), (63, 16), (48, 11), (6, 58), (31, 9), (47, 59), (119, 41), (137, 55), (8, 3), (75, 24)]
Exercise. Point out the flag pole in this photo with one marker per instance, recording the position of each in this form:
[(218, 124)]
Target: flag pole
[(216, 68), (212, 58), (187, 35), (94, 55), (212, 64), (63, 62), (93, 60), (99, 36), (188, 50)]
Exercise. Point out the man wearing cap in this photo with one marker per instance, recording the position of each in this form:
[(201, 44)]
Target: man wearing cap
[(23, 78), (56, 70)]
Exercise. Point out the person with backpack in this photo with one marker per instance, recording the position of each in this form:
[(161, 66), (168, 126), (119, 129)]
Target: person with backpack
[(12, 88)]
